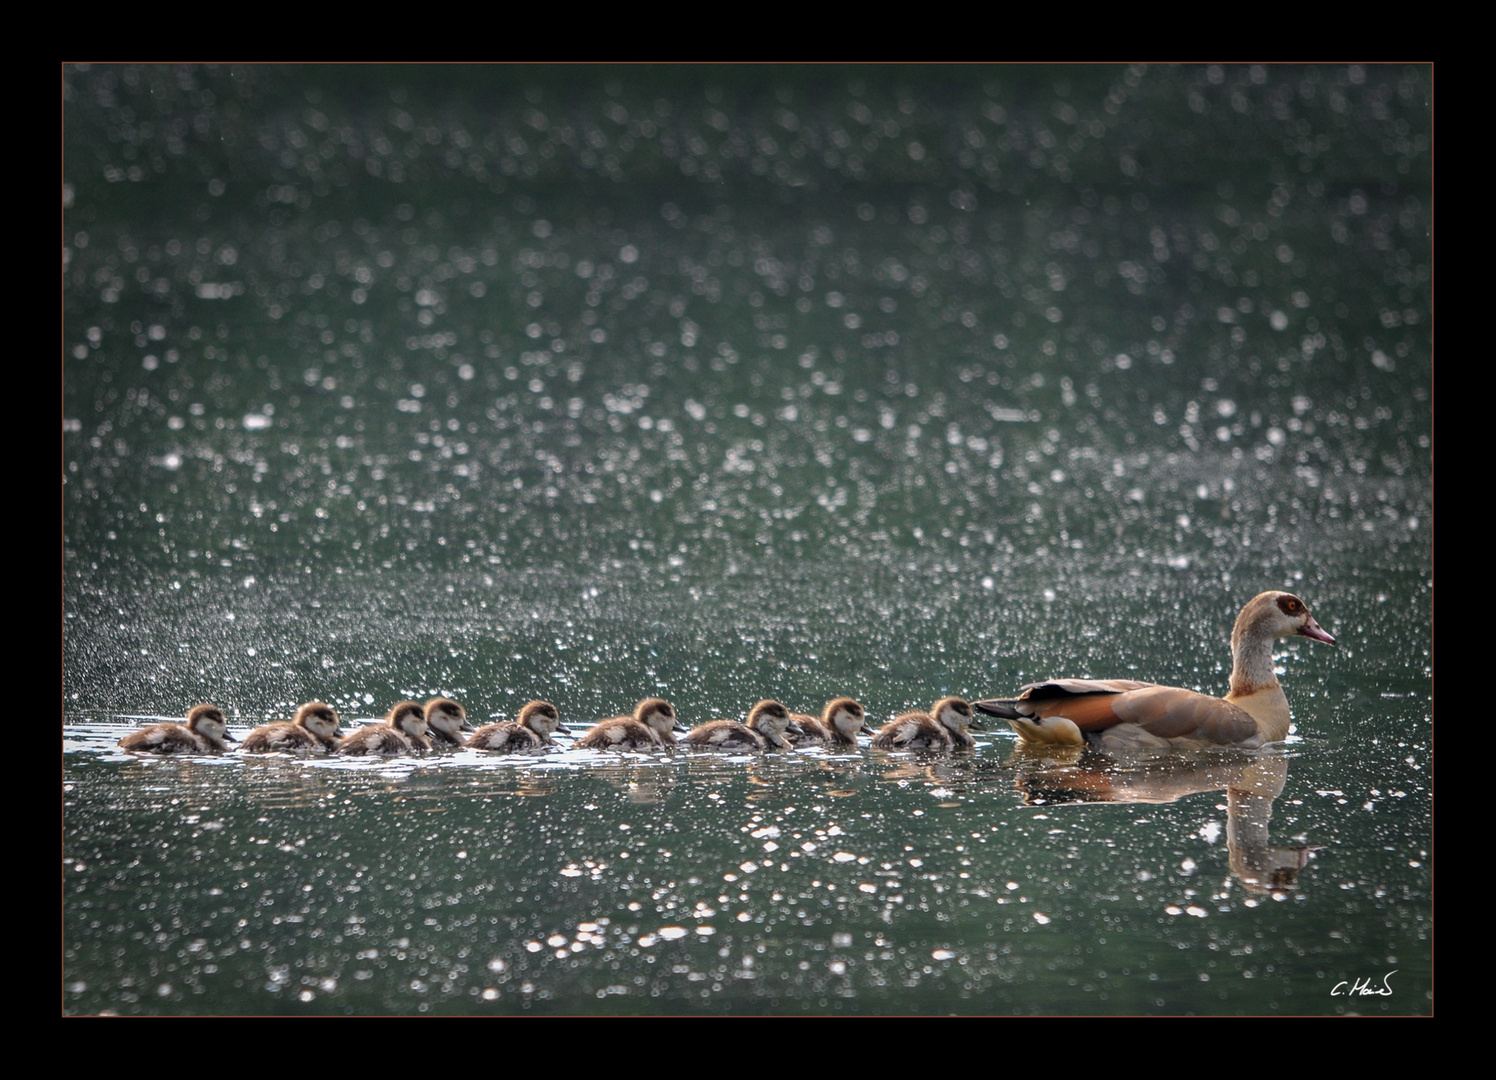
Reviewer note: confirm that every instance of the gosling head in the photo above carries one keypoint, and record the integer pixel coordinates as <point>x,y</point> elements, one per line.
<point>771,720</point>
<point>208,721</point>
<point>542,718</point>
<point>446,718</point>
<point>319,718</point>
<point>410,718</point>
<point>658,714</point>
<point>847,718</point>
<point>953,712</point>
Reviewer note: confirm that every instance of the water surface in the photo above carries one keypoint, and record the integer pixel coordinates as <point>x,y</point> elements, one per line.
<point>592,385</point>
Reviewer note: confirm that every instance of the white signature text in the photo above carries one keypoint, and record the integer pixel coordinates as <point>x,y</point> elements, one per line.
<point>1364,988</point>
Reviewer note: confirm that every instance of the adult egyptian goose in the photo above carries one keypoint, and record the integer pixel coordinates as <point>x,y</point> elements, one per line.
<point>650,728</point>
<point>205,732</point>
<point>943,726</point>
<point>403,731</point>
<point>1117,713</point>
<point>446,721</point>
<point>765,727</point>
<point>315,728</point>
<point>838,725</point>
<point>532,730</point>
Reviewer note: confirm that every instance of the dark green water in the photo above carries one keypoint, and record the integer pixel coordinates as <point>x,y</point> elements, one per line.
<point>592,384</point>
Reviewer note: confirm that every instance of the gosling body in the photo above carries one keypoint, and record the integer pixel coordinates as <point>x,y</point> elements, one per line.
<point>403,731</point>
<point>943,727</point>
<point>205,732</point>
<point>764,729</point>
<point>314,730</point>
<point>530,731</point>
<point>838,725</point>
<point>651,727</point>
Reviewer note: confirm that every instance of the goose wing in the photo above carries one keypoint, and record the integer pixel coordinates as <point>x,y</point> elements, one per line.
<point>1097,705</point>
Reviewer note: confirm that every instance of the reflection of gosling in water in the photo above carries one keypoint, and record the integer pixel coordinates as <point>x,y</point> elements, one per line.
<point>205,732</point>
<point>315,728</point>
<point>532,730</point>
<point>765,727</point>
<point>403,731</point>
<point>942,727</point>
<point>838,725</point>
<point>446,721</point>
<point>650,728</point>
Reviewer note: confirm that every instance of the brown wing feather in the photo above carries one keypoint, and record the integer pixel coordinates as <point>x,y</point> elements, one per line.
<point>1172,713</point>
<point>1091,704</point>
<point>1063,688</point>
<point>1167,712</point>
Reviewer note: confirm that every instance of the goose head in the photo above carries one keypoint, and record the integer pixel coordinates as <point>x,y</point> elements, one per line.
<point>1277,615</point>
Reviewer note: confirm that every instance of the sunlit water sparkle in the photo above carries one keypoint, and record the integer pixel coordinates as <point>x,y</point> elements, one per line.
<point>718,386</point>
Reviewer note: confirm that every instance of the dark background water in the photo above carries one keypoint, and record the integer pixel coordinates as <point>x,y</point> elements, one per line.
<point>594,383</point>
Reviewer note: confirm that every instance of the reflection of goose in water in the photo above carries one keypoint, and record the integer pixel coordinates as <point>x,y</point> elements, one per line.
<point>1116,713</point>
<point>445,721</point>
<point>943,726</point>
<point>765,727</point>
<point>1251,782</point>
<point>314,728</point>
<point>838,725</point>
<point>649,728</point>
<point>401,732</point>
<point>531,730</point>
<point>205,732</point>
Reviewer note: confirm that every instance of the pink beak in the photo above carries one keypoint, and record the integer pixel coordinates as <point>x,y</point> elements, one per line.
<point>1311,629</point>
